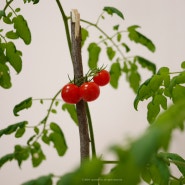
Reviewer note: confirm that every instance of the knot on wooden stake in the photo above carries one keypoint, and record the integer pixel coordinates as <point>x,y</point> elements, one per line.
<point>75,17</point>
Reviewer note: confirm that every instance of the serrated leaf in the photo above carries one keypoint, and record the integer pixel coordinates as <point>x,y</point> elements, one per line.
<point>58,139</point>
<point>13,56</point>
<point>37,155</point>
<point>71,109</point>
<point>94,52</point>
<point>153,111</point>
<point>159,171</point>
<point>90,169</point>
<point>21,153</point>
<point>6,158</point>
<point>22,29</point>
<point>84,34</point>
<point>12,128</point>
<point>25,104</point>
<point>112,10</point>
<point>134,79</point>
<point>137,37</point>
<point>155,82</point>
<point>143,93</point>
<point>175,159</point>
<point>5,79</point>
<point>115,74</point>
<point>110,53</point>
<point>178,93</point>
<point>12,35</point>
<point>43,180</point>
<point>160,100</point>
<point>145,63</point>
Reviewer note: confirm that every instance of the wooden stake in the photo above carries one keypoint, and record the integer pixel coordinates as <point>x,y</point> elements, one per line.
<point>78,74</point>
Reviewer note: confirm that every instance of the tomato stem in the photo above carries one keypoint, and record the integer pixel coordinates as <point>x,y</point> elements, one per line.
<point>93,148</point>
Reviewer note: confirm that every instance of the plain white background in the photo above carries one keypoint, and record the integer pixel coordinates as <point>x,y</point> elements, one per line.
<point>46,64</point>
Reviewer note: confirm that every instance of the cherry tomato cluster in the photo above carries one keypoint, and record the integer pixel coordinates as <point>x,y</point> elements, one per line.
<point>88,90</point>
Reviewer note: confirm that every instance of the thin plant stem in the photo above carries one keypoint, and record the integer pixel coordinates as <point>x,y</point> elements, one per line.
<point>65,20</point>
<point>91,131</point>
<point>106,35</point>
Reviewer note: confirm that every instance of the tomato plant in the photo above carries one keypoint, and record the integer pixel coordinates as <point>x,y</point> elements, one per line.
<point>146,158</point>
<point>89,91</point>
<point>70,93</point>
<point>102,78</point>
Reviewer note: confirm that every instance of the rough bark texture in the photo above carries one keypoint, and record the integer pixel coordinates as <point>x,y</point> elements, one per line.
<point>78,74</point>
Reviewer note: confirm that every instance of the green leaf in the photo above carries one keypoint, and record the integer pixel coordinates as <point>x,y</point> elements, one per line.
<point>54,111</point>
<point>71,109</point>
<point>126,47</point>
<point>119,36</point>
<point>110,53</point>
<point>5,79</point>
<point>13,128</point>
<point>17,10</point>
<point>25,104</point>
<point>37,154</point>
<point>116,27</point>
<point>12,35</point>
<point>87,174</point>
<point>183,65</point>
<point>6,158</point>
<point>20,131</point>
<point>84,34</point>
<point>115,73</point>
<point>21,153</point>
<point>137,37</point>
<point>2,13</point>
<point>143,93</point>
<point>153,111</point>
<point>134,79</point>
<point>159,171</point>
<point>155,82</point>
<point>22,29</point>
<point>112,10</point>
<point>175,159</point>
<point>58,139</point>
<point>146,63</point>
<point>160,100</point>
<point>94,52</point>
<point>178,93</point>
<point>43,180</point>
<point>7,20</point>
<point>13,56</point>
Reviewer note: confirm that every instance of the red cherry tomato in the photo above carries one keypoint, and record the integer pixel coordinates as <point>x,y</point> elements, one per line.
<point>70,93</point>
<point>89,91</point>
<point>102,78</point>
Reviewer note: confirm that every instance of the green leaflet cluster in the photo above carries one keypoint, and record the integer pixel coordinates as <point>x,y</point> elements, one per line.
<point>159,88</point>
<point>116,50</point>
<point>50,135</point>
<point>17,28</point>
<point>142,159</point>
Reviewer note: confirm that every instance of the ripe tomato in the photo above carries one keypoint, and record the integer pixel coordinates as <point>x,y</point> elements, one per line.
<point>70,93</point>
<point>102,78</point>
<point>89,91</point>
